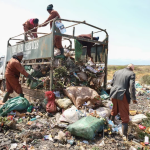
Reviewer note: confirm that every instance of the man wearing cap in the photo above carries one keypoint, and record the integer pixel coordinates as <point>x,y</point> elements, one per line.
<point>123,80</point>
<point>57,39</point>
<point>30,24</point>
<point>12,73</point>
<point>80,43</point>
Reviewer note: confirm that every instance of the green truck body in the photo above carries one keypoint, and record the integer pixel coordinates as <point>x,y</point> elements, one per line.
<point>43,48</point>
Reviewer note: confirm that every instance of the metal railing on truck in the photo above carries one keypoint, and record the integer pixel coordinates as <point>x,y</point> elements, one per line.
<point>43,48</point>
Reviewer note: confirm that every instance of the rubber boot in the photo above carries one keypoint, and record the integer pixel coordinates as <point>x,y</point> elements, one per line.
<point>21,95</point>
<point>62,51</point>
<point>125,129</point>
<point>112,118</point>
<point>6,97</point>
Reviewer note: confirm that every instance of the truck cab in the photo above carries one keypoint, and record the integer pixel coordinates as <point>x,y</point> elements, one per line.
<point>2,73</point>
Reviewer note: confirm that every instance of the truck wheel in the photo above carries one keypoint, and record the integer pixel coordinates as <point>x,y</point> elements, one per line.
<point>3,85</point>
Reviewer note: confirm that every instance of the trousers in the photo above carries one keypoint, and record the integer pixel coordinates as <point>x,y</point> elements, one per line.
<point>12,84</point>
<point>58,41</point>
<point>122,107</point>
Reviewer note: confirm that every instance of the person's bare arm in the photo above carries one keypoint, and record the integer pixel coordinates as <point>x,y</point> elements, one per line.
<point>35,34</point>
<point>27,28</point>
<point>52,16</point>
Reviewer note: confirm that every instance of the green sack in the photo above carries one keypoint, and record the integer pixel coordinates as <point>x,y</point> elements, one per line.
<point>27,67</point>
<point>17,103</point>
<point>78,50</point>
<point>37,74</point>
<point>86,127</point>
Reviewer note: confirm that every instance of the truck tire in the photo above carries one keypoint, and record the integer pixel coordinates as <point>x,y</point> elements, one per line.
<point>3,85</point>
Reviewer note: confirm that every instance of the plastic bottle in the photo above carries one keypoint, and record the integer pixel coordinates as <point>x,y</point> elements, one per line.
<point>146,141</point>
<point>32,119</point>
<point>76,76</point>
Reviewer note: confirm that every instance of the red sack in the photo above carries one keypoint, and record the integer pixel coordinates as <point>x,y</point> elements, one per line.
<point>51,106</point>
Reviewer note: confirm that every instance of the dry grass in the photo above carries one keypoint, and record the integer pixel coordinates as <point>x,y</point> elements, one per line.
<point>140,71</point>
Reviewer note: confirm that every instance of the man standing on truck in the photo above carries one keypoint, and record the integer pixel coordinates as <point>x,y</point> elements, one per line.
<point>123,80</point>
<point>30,24</point>
<point>79,44</point>
<point>12,73</point>
<point>57,39</point>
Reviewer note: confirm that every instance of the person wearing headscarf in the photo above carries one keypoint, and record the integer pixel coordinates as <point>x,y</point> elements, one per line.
<point>57,39</point>
<point>12,74</point>
<point>30,24</point>
<point>122,92</point>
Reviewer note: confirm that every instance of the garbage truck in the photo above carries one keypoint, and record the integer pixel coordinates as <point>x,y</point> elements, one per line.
<point>2,73</point>
<point>41,62</point>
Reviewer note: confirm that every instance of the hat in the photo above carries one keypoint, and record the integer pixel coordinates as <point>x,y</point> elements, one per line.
<point>50,7</point>
<point>36,21</point>
<point>19,54</point>
<point>96,38</point>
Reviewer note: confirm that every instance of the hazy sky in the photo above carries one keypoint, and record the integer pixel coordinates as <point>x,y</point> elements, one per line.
<point>126,21</point>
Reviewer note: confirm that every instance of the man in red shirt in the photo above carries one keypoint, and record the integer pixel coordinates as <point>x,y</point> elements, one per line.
<point>30,24</point>
<point>12,74</point>
<point>57,39</point>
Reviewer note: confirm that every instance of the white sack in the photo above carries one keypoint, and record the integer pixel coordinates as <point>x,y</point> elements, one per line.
<point>70,115</point>
<point>138,118</point>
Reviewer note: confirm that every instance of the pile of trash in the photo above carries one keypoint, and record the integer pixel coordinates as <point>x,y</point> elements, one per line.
<point>67,72</point>
<point>77,118</point>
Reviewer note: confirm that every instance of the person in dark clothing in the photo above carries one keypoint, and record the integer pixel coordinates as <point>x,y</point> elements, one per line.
<point>88,44</point>
<point>123,80</point>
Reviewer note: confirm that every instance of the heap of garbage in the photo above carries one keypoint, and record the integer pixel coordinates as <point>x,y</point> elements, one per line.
<point>67,72</point>
<point>72,121</point>
<point>75,114</point>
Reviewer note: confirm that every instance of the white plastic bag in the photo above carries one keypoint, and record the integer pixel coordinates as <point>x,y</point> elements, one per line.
<point>108,104</point>
<point>56,52</point>
<point>103,112</point>
<point>137,118</point>
<point>70,115</point>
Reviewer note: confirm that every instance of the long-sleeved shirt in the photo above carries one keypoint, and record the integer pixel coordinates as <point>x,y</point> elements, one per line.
<point>123,80</point>
<point>14,68</point>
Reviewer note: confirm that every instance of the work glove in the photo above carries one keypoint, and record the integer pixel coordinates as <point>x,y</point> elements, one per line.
<point>134,102</point>
<point>31,78</point>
